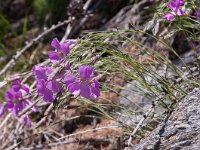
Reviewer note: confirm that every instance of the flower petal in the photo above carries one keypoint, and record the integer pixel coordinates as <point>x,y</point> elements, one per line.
<point>56,44</point>
<point>65,48</point>
<point>16,82</point>
<point>27,120</point>
<point>16,88</point>
<point>169,16</point>
<point>180,12</point>
<point>41,86</point>
<point>14,111</point>
<point>9,95</point>
<point>74,88</point>
<point>19,105</point>
<point>86,90</point>
<point>70,41</point>
<point>18,95</point>
<point>172,5</point>
<point>95,88</point>
<point>48,96</point>
<point>10,104</point>
<point>86,71</point>
<point>69,80</point>
<point>48,70</point>
<point>54,56</point>
<point>39,72</point>
<point>54,85</point>
<point>179,3</point>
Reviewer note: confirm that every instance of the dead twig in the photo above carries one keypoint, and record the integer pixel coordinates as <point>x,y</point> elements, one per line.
<point>47,112</point>
<point>139,125</point>
<point>12,62</point>
<point>86,131</point>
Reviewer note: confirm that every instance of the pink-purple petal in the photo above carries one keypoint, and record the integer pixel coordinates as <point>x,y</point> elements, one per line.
<point>16,88</point>
<point>70,41</point>
<point>96,91</point>
<point>9,95</point>
<point>70,79</point>
<point>41,85</point>
<point>95,88</point>
<point>86,71</point>
<point>65,48</point>
<point>27,120</point>
<point>54,56</point>
<point>48,69</point>
<point>39,72</point>
<point>16,82</point>
<point>86,90</point>
<point>19,105</point>
<point>169,16</point>
<point>54,85</point>
<point>48,96</point>
<point>56,44</point>
<point>180,12</point>
<point>9,104</point>
<point>172,5</point>
<point>179,2</point>
<point>74,88</point>
<point>14,111</point>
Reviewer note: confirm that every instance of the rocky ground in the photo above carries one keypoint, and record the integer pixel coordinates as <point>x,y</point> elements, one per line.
<point>76,127</point>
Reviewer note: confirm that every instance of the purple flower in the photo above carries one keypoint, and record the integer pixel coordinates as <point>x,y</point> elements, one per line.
<point>41,71</point>
<point>61,49</point>
<point>48,88</point>
<point>175,6</point>
<point>16,97</point>
<point>83,83</point>
<point>197,13</point>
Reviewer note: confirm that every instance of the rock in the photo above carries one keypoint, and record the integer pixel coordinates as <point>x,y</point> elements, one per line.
<point>180,130</point>
<point>132,99</point>
<point>135,103</point>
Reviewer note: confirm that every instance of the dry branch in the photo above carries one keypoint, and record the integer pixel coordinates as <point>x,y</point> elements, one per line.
<point>12,62</point>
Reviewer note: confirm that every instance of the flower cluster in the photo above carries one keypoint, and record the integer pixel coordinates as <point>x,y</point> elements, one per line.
<point>46,86</point>
<point>18,98</point>
<point>82,83</point>
<point>176,9</point>
<point>50,80</point>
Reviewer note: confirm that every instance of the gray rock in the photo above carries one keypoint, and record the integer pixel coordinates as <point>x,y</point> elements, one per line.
<point>180,130</point>
<point>134,103</point>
